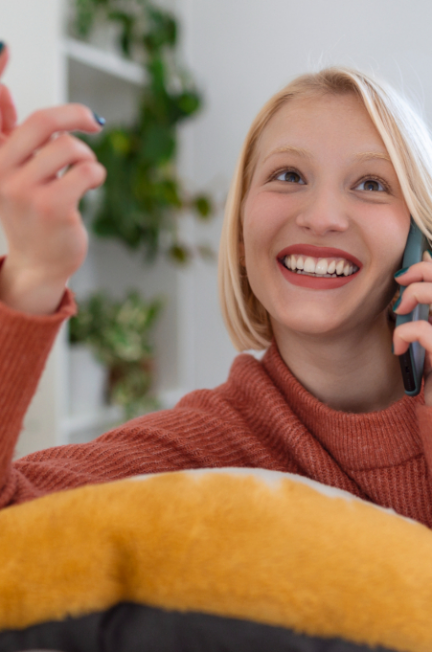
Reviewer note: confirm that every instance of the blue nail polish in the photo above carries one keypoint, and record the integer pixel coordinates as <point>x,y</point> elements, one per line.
<point>101,121</point>
<point>397,304</point>
<point>2,45</point>
<point>401,271</point>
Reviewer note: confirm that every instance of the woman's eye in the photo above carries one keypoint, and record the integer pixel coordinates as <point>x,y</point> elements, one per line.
<point>371,185</point>
<point>289,176</point>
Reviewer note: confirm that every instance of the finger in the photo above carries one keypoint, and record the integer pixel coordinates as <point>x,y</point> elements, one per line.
<point>413,295</point>
<point>414,331</point>
<point>55,156</point>
<point>8,112</point>
<point>40,126</point>
<point>419,272</point>
<point>63,194</point>
<point>427,364</point>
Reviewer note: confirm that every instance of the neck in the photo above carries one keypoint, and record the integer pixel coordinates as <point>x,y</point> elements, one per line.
<point>356,372</point>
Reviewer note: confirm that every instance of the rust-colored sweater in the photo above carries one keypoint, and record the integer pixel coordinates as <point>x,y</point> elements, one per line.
<point>261,417</point>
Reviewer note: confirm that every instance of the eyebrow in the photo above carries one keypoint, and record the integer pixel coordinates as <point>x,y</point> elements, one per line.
<point>368,156</point>
<point>304,153</point>
<point>289,149</point>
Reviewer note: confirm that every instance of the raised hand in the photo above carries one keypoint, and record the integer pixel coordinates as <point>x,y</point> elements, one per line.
<point>418,279</point>
<point>47,241</point>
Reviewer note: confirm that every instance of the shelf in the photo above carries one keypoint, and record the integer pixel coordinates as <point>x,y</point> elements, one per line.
<point>101,78</point>
<point>106,62</point>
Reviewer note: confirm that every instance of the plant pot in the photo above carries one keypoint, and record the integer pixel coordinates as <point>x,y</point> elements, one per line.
<point>105,36</point>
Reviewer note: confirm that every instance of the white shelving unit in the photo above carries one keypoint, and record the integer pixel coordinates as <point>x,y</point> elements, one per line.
<point>67,70</point>
<point>88,69</point>
<point>110,85</point>
<point>106,62</point>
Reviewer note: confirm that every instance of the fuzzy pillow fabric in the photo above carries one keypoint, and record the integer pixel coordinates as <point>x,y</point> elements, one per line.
<point>222,559</point>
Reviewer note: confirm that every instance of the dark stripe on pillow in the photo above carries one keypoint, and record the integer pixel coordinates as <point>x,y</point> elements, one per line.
<point>130,627</point>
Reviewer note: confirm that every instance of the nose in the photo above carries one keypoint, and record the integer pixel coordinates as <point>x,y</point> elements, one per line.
<point>325,213</point>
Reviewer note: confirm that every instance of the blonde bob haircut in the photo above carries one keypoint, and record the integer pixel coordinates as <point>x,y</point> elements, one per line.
<point>409,147</point>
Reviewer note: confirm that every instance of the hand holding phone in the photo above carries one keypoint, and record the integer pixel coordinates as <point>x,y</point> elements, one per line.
<point>412,361</point>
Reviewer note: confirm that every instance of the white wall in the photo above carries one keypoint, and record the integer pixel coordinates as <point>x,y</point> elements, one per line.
<point>243,51</point>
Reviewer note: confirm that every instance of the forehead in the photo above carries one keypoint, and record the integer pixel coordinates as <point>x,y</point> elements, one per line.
<point>317,122</point>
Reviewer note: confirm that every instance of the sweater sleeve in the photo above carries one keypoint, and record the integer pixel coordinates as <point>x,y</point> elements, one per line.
<point>203,430</point>
<point>25,343</point>
<point>189,436</point>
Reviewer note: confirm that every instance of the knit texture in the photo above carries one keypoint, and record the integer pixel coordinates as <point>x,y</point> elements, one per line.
<point>261,417</point>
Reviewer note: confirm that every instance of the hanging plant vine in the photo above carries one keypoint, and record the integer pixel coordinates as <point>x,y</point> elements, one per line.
<point>143,196</point>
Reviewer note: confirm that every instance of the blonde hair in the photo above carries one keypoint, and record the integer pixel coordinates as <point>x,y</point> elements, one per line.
<point>408,144</point>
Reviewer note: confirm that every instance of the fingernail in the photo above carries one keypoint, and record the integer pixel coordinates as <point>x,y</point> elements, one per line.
<point>392,348</point>
<point>397,304</point>
<point>401,271</point>
<point>101,121</point>
<point>2,46</point>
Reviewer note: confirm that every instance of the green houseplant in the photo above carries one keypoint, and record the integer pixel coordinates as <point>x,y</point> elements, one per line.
<point>119,333</point>
<point>143,198</point>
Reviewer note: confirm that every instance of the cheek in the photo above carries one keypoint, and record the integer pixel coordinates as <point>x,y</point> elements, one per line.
<point>390,241</point>
<point>264,217</point>
<point>386,239</point>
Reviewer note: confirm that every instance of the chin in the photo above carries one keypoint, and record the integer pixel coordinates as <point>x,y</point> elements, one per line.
<point>315,325</point>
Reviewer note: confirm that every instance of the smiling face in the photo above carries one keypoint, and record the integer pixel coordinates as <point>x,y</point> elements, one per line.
<point>324,219</point>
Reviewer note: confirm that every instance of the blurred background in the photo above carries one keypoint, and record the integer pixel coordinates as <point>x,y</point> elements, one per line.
<point>228,58</point>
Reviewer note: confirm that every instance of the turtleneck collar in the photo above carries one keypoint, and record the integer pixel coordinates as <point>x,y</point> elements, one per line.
<point>356,441</point>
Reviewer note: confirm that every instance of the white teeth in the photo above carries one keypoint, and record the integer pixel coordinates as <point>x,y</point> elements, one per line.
<point>300,263</point>
<point>340,267</point>
<point>309,265</point>
<point>331,268</point>
<point>321,267</point>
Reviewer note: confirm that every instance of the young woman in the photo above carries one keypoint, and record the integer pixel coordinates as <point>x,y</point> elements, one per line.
<point>315,228</point>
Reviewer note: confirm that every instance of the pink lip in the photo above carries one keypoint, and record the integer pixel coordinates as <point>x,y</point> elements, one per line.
<point>318,252</point>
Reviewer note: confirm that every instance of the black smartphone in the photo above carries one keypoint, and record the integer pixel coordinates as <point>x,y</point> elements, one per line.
<point>412,362</point>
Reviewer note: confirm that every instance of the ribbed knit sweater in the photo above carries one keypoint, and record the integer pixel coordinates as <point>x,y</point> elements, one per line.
<point>260,417</point>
